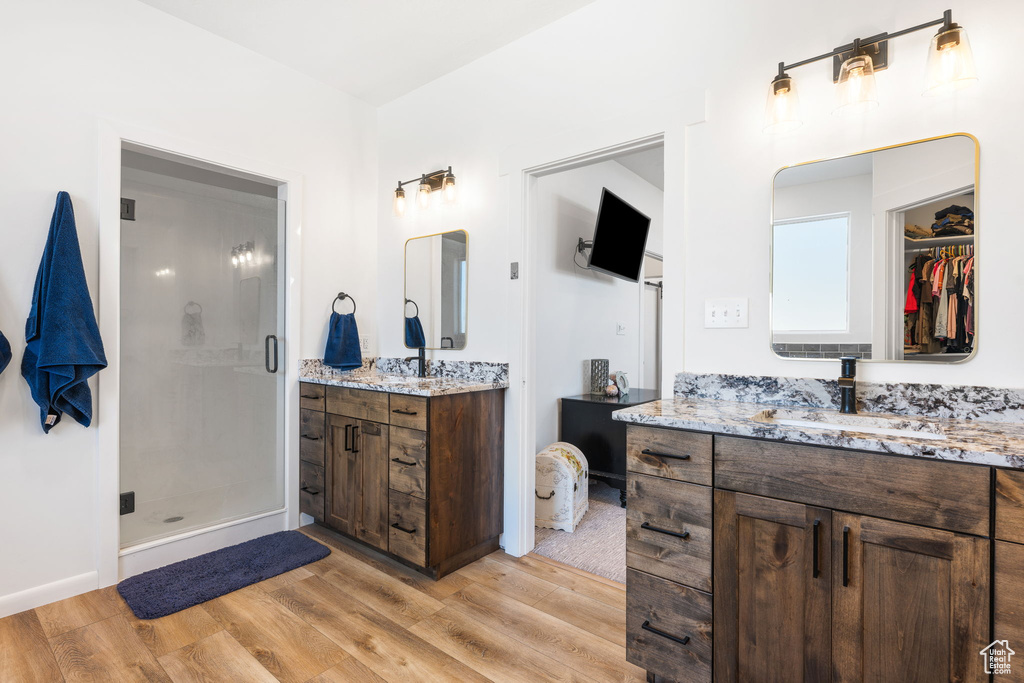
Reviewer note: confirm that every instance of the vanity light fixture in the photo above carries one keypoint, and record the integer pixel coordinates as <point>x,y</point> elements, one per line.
<point>428,183</point>
<point>854,65</point>
<point>242,254</point>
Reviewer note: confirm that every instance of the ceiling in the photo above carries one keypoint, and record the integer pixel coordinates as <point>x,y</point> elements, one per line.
<point>376,50</point>
<point>649,164</point>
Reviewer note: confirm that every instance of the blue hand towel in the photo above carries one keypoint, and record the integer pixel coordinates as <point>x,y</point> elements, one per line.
<point>342,351</point>
<point>64,347</point>
<point>5,352</point>
<point>414,337</point>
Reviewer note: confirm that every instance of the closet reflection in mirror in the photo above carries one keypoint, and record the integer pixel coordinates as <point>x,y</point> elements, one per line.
<point>873,254</point>
<point>436,291</point>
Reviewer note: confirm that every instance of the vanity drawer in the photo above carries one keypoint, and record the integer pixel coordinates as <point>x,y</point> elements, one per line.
<point>311,490</point>
<point>668,628</point>
<point>1010,505</point>
<point>311,396</point>
<point>361,404</point>
<point>1009,592</point>
<point>311,436</point>
<point>921,491</point>
<point>408,461</point>
<point>669,453</point>
<point>409,411</point>
<point>407,532</point>
<point>659,511</point>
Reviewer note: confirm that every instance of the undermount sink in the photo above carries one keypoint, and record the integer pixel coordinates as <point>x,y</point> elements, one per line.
<point>820,419</point>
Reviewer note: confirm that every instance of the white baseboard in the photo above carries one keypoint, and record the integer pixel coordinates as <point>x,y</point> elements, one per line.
<point>47,593</point>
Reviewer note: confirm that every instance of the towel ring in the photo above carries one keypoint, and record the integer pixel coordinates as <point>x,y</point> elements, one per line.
<point>417,313</point>
<point>343,295</point>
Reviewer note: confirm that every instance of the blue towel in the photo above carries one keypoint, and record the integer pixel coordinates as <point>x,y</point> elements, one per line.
<point>5,352</point>
<point>64,347</point>
<point>414,337</point>
<point>342,351</point>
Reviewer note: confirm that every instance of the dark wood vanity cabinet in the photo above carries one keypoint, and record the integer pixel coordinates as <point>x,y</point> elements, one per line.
<point>828,564</point>
<point>415,477</point>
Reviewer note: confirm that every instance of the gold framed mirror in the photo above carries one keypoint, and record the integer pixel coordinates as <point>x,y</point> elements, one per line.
<point>436,292</point>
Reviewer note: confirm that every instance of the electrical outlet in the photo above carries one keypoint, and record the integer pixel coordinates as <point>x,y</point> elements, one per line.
<point>364,343</point>
<point>725,312</point>
<point>620,329</point>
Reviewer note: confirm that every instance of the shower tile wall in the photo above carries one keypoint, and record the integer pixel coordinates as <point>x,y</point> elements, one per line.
<point>198,423</point>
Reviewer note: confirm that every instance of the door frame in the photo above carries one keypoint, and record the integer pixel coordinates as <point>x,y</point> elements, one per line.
<point>113,564</point>
<point>520,167</point>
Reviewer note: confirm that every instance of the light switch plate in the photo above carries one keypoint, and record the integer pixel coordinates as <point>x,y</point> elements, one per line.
<point>620,329</point>
<point>725,312</point>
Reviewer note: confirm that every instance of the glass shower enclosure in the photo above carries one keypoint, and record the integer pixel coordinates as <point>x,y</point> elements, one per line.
<point>202,313</point>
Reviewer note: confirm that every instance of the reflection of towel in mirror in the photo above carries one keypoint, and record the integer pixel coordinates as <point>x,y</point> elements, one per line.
<point>5,352</point>
<point>192,332</point>
<point>342,350</point>
<point>64,347</point>
<point>414,337</point>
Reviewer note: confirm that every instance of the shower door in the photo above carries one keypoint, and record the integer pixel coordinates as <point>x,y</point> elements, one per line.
<point>202,393</point>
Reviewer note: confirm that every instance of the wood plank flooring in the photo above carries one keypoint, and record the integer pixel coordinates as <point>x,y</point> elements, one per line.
<point>355,616</point>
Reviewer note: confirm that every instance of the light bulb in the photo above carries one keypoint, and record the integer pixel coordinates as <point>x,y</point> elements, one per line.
<point>398,207</point>
<point>950,62</point>
<point>856,91</point>
<point>248,256</point>
<point>423,195</point>
<point>782,110</point>
<point>234,260</point>
<point>448,190</point>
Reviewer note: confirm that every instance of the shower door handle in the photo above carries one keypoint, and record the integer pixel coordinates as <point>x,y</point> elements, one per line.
<point>266,353</point>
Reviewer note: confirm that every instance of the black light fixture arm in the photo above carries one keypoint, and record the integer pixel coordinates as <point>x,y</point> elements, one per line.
<point>434,178</point>
<point>946,22</point>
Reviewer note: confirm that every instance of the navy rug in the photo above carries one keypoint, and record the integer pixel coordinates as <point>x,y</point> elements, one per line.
<point>181,585</point>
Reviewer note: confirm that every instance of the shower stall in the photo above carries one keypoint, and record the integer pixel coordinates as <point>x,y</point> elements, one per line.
<point>201,437</point>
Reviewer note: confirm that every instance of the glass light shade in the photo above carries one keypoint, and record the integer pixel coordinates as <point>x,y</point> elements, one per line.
<point>856,91</point>
<point>234,260</point>
<point>448,189</point>
<point>248,256</point>
<point>950,63</point>
<point>398,207</point>
<point>423,196</point>
<point>782,110</point>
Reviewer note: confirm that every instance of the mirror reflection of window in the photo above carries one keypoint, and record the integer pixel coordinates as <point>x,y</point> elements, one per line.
<point>810,287</point>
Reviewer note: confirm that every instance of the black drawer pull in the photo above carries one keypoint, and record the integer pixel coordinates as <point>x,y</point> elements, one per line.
<point>404,412</point>
<point>312,397</point>
<point>846,556</point>
<point>647,627</point>
<point>310,438</point>
<point>685,534</point>
<point>312,492</point>
<point>402,462</point>
<point>648,451</point>
<point>396,525</point>
<point>815,572</point>
<point>547,497</point>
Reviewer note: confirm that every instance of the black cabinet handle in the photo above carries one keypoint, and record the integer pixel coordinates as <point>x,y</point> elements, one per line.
<point>846,556</point>
<point>547,497</point>
<point>685,534</point>
<point>648,451</point>
<point>312,492</point>
<point>657,631</point>
<point>355,433</point>
<point>266,353</point>
<point>402,462</point>
<point>404,412</point>
<point>313,397</point>
<point>347,446</point>
<point>310,438</point>
<point>814,549</point>
<point>396,525</point>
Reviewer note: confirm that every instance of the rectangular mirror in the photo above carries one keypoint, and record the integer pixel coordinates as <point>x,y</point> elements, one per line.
<point>873,254</point>
<point>436,291</point>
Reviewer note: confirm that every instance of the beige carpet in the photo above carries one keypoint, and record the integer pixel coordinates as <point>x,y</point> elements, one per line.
<point>599,543</point>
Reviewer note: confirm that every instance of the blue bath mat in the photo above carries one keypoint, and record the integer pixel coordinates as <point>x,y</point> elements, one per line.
<point>181,585</point>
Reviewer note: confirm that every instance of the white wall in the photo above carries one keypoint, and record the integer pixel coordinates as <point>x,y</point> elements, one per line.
<point>577,312</point>
<point>71,66</point>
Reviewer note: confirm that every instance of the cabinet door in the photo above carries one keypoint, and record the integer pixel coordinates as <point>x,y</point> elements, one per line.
<point>370,443</point>
<point>909,603</point>
<point>772,590</point>
<point>343,476</point>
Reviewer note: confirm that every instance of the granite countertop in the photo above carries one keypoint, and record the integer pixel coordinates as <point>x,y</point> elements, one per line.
<point>974,441</point>
<point>371,379</point>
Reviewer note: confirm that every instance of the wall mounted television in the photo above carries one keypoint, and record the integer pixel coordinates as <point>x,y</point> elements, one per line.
<point>620,238</point>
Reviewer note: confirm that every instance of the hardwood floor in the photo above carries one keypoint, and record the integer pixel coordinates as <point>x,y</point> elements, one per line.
<point>354,616</point>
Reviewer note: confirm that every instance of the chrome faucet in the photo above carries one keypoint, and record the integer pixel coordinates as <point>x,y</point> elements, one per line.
<point>422,365</point>
<point>848,385</point>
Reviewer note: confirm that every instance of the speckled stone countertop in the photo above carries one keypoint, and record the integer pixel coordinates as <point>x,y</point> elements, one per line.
<point>974,441</point>
<point>467,377</point>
